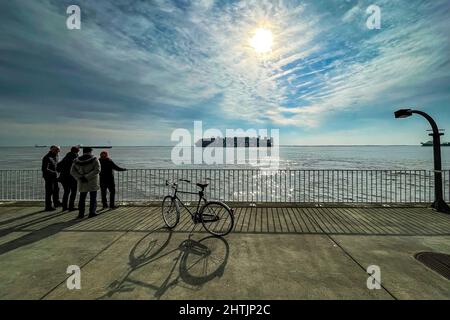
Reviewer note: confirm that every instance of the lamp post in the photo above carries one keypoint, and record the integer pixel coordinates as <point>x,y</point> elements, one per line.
<point>439,203</point>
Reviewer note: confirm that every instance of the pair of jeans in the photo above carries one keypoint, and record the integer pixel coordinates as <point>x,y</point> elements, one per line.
<point>51,191</point>
<point>111,187</point>
<point>92,202</point>
<point>69,195</point>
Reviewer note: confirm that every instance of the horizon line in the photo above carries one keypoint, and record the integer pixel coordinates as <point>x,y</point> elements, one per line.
<point>281,145</point>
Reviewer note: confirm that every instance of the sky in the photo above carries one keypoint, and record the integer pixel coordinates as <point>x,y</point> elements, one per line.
<point>138,70</point>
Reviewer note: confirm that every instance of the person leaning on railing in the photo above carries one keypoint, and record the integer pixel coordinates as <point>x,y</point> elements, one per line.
<point>107,179</point>
<point>50,175</point>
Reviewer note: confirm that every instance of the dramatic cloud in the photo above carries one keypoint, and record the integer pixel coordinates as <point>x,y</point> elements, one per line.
<point>139,69</point>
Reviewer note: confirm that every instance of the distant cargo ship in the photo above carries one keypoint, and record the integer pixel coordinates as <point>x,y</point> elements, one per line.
<point>234,142</point>
<point>430,144</point>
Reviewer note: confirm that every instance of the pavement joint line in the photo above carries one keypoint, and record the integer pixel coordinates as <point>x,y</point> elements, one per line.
<point>86,263</point>
<point>359,264</point>
<point>351,257</point>
<point>89,261</point>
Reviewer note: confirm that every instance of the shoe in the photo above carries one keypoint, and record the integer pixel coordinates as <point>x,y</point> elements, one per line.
<point>79,217</point>
<point>58,204</point>
<point>105,207</point>
<point>92,215</point>
<point>114,207</point>
<point>73,209</point>
<point>50,209</point>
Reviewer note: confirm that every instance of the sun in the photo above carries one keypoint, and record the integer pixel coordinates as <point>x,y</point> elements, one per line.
<point>262,40</point>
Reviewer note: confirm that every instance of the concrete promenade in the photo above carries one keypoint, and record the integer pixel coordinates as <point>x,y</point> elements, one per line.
<point>288,252</point>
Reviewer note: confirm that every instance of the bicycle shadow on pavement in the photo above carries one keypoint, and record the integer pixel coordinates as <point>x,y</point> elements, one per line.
<point>197,262</point>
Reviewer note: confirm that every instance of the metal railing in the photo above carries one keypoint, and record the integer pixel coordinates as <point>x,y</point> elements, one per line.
<point>253,185</point>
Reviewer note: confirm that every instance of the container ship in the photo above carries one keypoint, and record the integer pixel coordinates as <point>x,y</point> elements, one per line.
<point>430,144</point>
<point>234,142</point>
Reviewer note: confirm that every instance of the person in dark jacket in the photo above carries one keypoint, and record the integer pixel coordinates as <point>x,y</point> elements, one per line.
<point>50,175</point>
<point>107,179</point>
<point>68,182</point>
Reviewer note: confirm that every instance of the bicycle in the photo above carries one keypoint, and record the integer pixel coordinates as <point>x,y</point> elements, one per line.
<point>216,217</point>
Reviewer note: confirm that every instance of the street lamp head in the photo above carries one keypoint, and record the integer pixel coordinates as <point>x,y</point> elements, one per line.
<point>403,113</point>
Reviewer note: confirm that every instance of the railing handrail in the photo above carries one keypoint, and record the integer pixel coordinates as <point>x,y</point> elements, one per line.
<point>256,185</point>
<point>261,169</point>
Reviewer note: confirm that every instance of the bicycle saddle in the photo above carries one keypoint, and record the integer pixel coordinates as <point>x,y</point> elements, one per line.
<point>202,185</point>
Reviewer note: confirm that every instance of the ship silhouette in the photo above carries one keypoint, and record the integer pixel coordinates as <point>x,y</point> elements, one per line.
<point>430,144</point>
<point>234,142</point>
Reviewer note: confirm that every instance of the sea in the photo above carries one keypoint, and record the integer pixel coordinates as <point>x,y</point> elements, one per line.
<point>289,157</point>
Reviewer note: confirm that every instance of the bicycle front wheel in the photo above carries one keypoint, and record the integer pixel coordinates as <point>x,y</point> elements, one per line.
<point>217,218</point>
<point>170,212</point>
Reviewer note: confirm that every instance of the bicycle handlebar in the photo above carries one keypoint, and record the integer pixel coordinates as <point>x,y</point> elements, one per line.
<point>183,180</point>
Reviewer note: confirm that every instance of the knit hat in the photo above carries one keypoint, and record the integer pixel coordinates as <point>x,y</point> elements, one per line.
<point>104,154</point>
<point>87,149</point>
<point>75,149</point>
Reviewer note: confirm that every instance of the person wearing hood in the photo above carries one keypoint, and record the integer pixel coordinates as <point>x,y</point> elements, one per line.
<point>68,182</point>
<point>85,170</point>
<point>107,179</point>
<point>50,175</point>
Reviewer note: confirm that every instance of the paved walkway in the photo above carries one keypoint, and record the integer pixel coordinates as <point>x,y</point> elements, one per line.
<point>273,253</point>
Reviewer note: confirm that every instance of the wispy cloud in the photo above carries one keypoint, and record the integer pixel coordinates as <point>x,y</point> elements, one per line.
<point>152,66</point>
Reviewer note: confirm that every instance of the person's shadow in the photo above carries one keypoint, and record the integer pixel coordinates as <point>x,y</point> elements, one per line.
<point>199,262</point>
<point>35,235</point>
<point>25,216</point>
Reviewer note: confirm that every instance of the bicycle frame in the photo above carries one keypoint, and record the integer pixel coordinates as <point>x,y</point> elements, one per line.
<point>200,193</point>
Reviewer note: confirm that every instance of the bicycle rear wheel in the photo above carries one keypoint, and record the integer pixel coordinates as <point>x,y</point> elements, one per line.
<point>217,218</point>
<point>170,212</point>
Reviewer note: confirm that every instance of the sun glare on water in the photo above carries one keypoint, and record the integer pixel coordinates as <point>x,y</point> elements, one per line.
<point>262,40</point>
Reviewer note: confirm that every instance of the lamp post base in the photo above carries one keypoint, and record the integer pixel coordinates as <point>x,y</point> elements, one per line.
<point>441,206</point>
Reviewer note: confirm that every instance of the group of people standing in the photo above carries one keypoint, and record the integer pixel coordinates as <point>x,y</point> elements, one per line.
<point>84,173</point>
